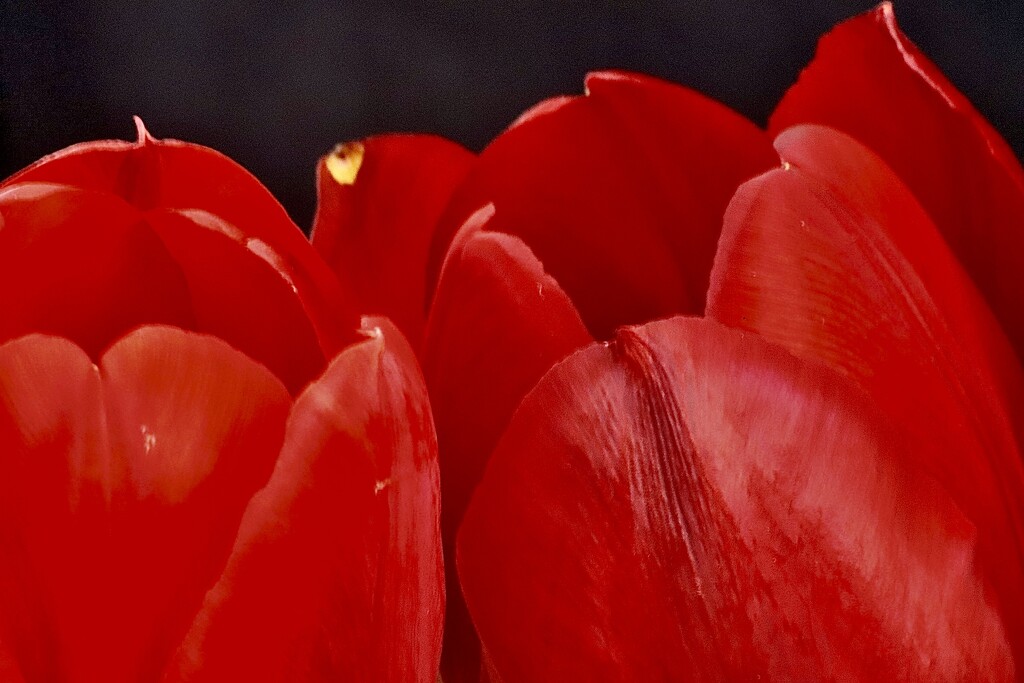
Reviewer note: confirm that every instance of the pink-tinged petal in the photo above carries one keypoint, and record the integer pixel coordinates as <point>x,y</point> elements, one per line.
<point>121,490</point>
<point>82,265</point>
<point>240,297</point>
<point>620,193</point>
<point>379,202</point>
<point>498,323</point>
<point>336,573</point>
<point>693,503</point>
<point>871,82</point>
<point>838,263</point>
<point>168,174</point>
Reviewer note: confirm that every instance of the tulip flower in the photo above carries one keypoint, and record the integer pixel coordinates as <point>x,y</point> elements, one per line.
<point>210,468</point>
<point>715,402</point>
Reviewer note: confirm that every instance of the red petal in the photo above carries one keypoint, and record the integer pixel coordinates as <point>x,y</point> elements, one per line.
<point>241,297</point>
<point>870,81</point>
<point>9,670</point>
<point>692,503</point>
<point>89,267</point>
<point>121,488</point>
<point>379,201</point>
<point>839,264</point>
<point>171,174</point>
<point>82,265</point>
<point>336,573</point>
<point>498,323</point>
<point>168,174</point>
<point>619,193</point>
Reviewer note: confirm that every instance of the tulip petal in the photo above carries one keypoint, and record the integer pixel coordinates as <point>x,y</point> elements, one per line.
<point>620,193</point>
<point>870,81</point>
<point>121,489</point>
<point>498,323</point>
<point>839,264</point>
<point>169,174</point>
<point>240,297</point>
<point>82,265</point>
<point>336,572</point>
<point>693,503</point>
<point>9,670</point>
<point>379,202</point>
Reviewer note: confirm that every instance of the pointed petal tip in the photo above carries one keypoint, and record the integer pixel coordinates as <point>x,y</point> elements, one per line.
<point>142,135</point>
<point>870,81</point>
<point>610,76</point>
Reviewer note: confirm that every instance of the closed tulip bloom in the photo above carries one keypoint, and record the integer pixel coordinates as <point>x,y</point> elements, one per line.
<point>211,468</point>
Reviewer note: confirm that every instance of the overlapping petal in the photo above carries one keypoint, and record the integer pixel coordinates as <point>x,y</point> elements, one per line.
<point>121,489</point>
<point>834,259</point>
<point>336,573</point>
<point>379,203</point>
<point>693,503</point>
<point>832,491</point>
<point>497,324</point>
<point>104,236</point>
<point>871,82</point>
<point>83,265</point>
<point>129,452</point>
<point>122,495</point>
<point>619,193</point>
<point>171,174</point>
<point>239,296</point>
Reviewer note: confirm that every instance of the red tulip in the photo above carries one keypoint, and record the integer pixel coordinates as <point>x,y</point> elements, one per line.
<point>834,489</point>
<point>209,468</point>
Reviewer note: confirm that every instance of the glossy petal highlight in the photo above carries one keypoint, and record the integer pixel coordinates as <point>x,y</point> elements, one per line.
<point>839,264</point>
<point>692,503</point>
<point>870,81</point>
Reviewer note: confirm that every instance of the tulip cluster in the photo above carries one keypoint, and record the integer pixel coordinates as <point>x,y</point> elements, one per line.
<point>642,392</point>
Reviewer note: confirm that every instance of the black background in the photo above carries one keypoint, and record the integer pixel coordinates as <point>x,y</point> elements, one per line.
<point>276,85</point>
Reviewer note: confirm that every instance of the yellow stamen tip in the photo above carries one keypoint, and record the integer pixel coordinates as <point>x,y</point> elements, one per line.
<point>344,161</point>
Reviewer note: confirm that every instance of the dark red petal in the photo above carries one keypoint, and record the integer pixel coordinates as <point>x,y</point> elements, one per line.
<point>121,489</point>
<point>336,573</point>
<point>870,81</point>
<point>379,202</point>
<point>692,503</point>
<point>169,174</point>
<point>619,193</point>
<point>240,297</point>
<point>498,323</point>
<point>82,265</point>
<point>838,263</point>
